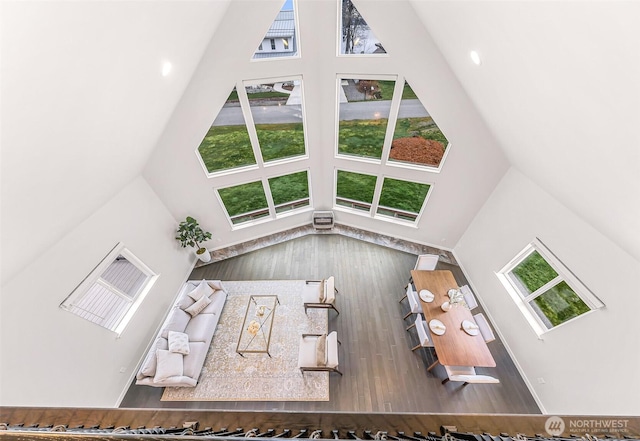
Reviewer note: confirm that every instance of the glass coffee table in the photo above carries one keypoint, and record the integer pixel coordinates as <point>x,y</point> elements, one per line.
<point>255,334</point>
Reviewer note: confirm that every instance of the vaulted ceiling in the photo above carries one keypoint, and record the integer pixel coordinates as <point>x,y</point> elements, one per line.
<point>85,109</point>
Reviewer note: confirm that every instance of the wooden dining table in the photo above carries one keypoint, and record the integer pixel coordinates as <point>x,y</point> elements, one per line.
<point>455,347</point>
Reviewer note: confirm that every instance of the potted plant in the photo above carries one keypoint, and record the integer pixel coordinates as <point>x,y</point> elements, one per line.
<point>190,234</point>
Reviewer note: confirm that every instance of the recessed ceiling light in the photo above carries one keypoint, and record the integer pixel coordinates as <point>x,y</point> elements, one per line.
<point>166,68</point>
<point>475,57</point>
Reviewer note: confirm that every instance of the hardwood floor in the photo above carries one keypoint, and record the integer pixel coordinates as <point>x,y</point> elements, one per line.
<point>381,373</point>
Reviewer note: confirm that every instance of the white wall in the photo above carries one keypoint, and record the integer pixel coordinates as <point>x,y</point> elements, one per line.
<point>590,365</point>
<point>83,105</point>
<point>51,357</point>
<point>558,87</point>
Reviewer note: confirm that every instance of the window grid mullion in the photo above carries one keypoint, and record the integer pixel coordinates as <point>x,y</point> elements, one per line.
<point>544,288</point>
<point>114,290</point>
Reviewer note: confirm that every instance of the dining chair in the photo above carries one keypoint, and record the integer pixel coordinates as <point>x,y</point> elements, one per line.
<point>468,375</point>
<point>409,286</point>
<point>423,333</point>
<point>423,336</point>
<point>483,326</point>
<point>469,298</point>
<point>427,262</point>
<point>414,302</point>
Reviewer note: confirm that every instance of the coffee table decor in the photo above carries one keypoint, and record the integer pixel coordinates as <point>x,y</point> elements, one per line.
<point>255,334</point>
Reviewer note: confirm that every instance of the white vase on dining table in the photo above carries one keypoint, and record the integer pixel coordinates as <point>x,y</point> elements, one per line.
<point>446,306</point>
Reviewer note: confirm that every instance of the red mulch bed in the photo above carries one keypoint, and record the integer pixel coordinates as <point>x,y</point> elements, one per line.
<point>417,150</point>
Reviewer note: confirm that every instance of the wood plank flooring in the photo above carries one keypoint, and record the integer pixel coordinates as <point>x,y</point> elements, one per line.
<point>381,373</point>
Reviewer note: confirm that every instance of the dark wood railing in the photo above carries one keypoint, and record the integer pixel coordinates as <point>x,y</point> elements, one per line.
<point>20,423</point>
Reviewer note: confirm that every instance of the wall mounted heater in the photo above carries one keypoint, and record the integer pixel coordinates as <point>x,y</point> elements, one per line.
<point>323,220</point>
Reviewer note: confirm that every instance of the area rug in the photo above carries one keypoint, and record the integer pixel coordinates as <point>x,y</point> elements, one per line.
<point>227,376</point>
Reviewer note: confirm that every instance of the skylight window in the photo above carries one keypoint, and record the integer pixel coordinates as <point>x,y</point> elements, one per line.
<point>545,290</point>
<point>277,109</point>
<point>356,37</point>
<point>227,145</point>
<point>416,139</point>
<point>364,107</point>
<point>281,40</point>
<point>110,295</point>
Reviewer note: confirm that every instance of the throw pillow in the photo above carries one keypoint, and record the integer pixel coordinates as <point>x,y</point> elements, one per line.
<point>185,302</point>
<point>169,365</point>
<point>148,368</point>
<point>216,284</point>
<point>322,293</point>
<point>321,350</point>
<point>198,306</point>
<point>179,342</point>
<point>202,290</point>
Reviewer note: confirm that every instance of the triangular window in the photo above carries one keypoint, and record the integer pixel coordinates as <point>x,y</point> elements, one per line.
<point>281,40</point>
<point>356,37</point>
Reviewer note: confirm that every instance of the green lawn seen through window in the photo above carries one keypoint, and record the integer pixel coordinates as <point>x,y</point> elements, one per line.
<point>356,186</point>
<point>557,304</point>
<point>362,137</point>
<point>403,195</point>
<point>279,141</point>
<point>534,272</point>
<point>226,147</point>
<point>243,198</point>
<point>560,304</point>
<point>289,188</point>
<point>424,127</point>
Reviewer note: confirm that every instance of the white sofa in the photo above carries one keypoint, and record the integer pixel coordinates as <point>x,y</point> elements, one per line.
<point>170,366</point>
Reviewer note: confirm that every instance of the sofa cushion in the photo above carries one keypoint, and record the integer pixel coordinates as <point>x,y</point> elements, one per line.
<point>198,306</point>
<point>177,321</point>
<point>330,291</point>
<point>179,342</point>
<point>202,290</point>
<point>332,349</point>
<point>169,365</point>
<point>148,368</point>
<point>217,303</point>
<point>307,352</point>
<point>199,327</point>
<point>321,350</point>
<point>192,363</point>
<point>322,294</point>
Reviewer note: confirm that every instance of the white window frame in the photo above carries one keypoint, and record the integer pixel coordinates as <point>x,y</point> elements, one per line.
<point>308,207</point>
<point>339,38</point>
<point>388,218</point>
<point>391,119</point>
<point>94,277</point>
<point>268,198</point>
<point>523,300</point>
<point>373,209</point>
